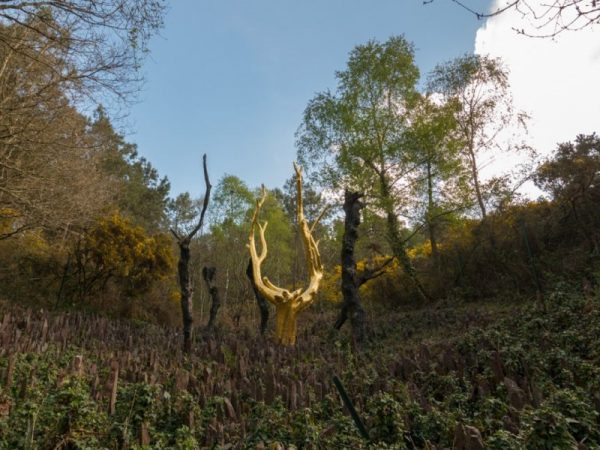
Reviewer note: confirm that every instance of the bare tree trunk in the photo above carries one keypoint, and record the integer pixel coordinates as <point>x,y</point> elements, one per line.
<point>260,300</point>
<point>201,306</point>
<point>226,285</point>
<point>63,280</point>
<point>351,306</point>
<point>486,226</point>
<point>208,273</point>
<point>185,285</point>
<point>394,238</point>
<point>476,182</point>
<point>430,214</point>
<point>295,273</point>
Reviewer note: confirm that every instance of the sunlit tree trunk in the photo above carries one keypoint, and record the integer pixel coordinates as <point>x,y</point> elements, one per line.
<point>286,323</point>
<point>430,214</point>
<point>476,182</point>
<point>394,238</point>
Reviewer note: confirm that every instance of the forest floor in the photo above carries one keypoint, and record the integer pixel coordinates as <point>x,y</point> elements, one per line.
<point>499,375</point>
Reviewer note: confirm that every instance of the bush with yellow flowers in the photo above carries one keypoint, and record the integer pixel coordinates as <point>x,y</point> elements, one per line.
<point>116,250</point>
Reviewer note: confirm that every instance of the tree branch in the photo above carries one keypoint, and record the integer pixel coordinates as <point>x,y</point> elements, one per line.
<point>370,274</point>
<point>192,233</point>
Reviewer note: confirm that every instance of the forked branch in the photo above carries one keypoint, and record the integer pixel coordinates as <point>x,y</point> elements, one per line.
<point>187,238</point>
<point>311,247</point>
<point>288,304</point>
<point>272,293</point>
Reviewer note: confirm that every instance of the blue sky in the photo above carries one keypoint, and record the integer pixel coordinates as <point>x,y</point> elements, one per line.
<point>232,77</point>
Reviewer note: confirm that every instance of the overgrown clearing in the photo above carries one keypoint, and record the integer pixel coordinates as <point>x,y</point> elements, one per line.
<point>136,317</point>
<point>521,376</point>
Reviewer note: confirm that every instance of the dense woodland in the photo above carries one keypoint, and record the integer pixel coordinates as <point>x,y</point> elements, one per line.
<point>458,309</point>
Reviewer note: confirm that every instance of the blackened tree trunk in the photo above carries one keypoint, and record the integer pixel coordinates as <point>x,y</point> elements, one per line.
<point>208,273</point>
<point>260,300</point>
<point>185,282</point>
<point>63,281</point>
<point>351,306</point>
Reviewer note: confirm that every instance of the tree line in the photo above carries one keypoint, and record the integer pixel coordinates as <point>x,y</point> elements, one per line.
<point>413,218</point>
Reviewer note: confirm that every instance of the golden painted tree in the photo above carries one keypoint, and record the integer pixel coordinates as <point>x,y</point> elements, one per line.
<point>288,304</point>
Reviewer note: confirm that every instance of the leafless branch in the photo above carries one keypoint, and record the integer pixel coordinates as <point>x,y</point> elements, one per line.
<point>372,273</point>
<point>195,230</point>
<point>560,15</point>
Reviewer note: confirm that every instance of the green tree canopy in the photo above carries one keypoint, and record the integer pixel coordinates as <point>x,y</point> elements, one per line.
<point>438,181</point>
<point>232,200</point>
<point>479,84</point>
<point>353,138</point>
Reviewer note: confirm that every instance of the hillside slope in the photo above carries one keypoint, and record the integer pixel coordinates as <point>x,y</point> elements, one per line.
<point>451,377</point>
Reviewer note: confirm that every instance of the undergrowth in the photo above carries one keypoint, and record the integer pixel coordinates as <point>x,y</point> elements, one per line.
<point>523,378</point>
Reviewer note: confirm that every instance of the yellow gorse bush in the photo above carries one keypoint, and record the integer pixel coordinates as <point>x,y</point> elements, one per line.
<point>331,284</point>
<point>127,251</point>
<point>7,219</point>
